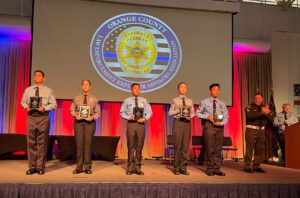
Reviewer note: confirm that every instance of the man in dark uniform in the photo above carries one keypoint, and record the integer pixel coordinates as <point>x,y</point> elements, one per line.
<point>257,116</point>
<point>38,100</point>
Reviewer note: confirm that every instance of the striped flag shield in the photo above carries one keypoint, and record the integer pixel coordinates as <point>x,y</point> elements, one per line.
<point>136,53</point>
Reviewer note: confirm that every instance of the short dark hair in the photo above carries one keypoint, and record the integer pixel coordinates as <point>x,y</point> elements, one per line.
<point>134,84</point>
<point>258,94</point>
<point>181,84</point>
<point>87,81</point>
<point>214,85</point>
<point>39,71</point>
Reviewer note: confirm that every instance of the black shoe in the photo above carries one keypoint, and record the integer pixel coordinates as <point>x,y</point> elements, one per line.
<point>176,172</point>
<point>40,172</point>
<point>259,170</point>
<point>248,170</point>
<point>129,172</point>
<point>88,171</point>
<point>185,172</point>
<point>31,171</point>
<point>77,171</point>
<point>138,172</point>
<point>210,173</point>
<point>219,173</point>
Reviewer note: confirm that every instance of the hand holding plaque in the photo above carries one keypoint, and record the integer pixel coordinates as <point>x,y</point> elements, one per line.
<point>185,112</point>
<point>84,112</point>
<point>218,117</point>
<point>35,103</point>
<point>138,113</point>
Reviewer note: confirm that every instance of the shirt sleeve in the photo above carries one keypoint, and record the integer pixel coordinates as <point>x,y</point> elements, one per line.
<point>124,113</point>
<point>173,109</point>
<point>277,122</point>
<point>51,101</point>
<point>148,110</point>
<point>293,120</point>
<point>97,110</point>
<point>225,114</point>
<point>72,109</point>
<point>192,109</point>
<point>201,111</point>
<point>24,101</point>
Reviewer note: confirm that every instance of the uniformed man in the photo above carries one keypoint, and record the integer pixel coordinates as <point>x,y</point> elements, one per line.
<point>215,115</point>
<point>182,110</point>
<point>38,100</point>
<point>136,110</point>
<point>281,121</point>
<point>85,110</point>
<point>257,115</point>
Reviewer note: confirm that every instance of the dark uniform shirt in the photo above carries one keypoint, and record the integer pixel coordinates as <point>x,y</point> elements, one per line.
<point>255,117</point>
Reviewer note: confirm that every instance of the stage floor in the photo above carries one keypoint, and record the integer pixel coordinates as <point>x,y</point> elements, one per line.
<point>156,171</point>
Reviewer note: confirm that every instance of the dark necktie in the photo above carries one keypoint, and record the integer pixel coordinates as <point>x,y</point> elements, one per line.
<point>136,102</point>
<point>285,118</point>
<point>37,92</point>
<point>214,106</point>
<point>183,101</point>
<point>85,100</point>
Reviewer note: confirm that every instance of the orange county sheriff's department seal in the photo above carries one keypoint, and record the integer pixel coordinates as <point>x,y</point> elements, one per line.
<point>135,47</point>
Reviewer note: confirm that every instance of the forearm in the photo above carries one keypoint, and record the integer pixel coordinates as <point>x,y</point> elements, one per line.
<point>201,115</point>
<point>173,111</point>
<point>276,123</point>
<point>125,115</point>
<point>148,112</point>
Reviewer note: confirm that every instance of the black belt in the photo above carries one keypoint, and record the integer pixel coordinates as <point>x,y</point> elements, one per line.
<point>183,120</point>
<point>38,113</point>
<point>135,121</point>
<point>84,120</point>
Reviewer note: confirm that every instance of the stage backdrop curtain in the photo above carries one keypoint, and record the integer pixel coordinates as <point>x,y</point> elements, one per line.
<point>14,78</point>
<point>15,74</point>
<point>255,75</point>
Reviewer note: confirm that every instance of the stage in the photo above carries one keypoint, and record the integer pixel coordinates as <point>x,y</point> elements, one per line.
<point>109,180</point>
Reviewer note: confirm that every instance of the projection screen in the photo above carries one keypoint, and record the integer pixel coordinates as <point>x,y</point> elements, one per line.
<point>114,45</point>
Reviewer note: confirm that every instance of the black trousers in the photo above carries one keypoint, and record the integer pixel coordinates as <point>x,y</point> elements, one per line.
<point>201,157</point>
<point>135,142</point>
<point>181,138</point>
<point>213,138</point>
<point>282,145</point>
<point>84,132</point>
<point>255,142</point>
<point>37,140</point>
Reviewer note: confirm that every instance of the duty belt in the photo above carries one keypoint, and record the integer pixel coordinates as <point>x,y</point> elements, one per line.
<point>38,113</point>
<point>255,127</point>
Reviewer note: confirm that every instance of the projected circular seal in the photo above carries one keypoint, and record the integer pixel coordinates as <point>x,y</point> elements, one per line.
<point>135,47</point>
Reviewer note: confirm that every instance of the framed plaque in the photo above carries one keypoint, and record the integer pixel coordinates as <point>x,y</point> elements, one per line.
<point>35,103</point>
<point>185,112</point>
<point>218,117</point>
<point>138,113</point>
<point>84,112</point>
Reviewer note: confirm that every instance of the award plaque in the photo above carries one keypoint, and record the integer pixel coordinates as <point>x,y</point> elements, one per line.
<point>138,113</point>
<point>35,103</point>
<point>185,112</point>
<point>218,117</point>
<point>84,112</point>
